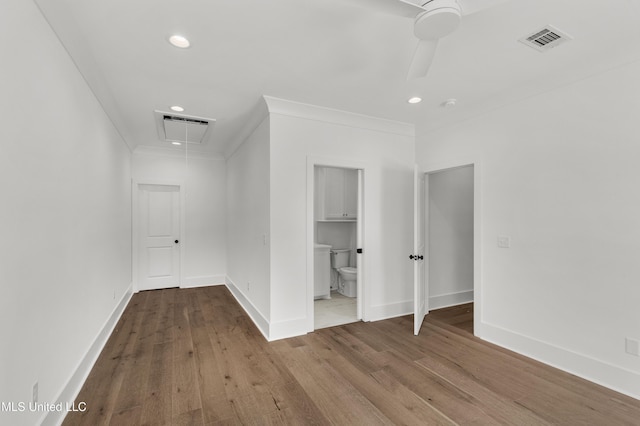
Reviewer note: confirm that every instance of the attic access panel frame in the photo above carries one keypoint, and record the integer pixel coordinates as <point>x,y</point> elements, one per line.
<point>172,127</point>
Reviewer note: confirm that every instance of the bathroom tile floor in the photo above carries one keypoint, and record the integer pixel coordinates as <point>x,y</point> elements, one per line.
<point>335,311</point>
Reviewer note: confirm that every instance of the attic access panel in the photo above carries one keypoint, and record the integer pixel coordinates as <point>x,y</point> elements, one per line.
<point>180,129</point>
<point>173,127</point>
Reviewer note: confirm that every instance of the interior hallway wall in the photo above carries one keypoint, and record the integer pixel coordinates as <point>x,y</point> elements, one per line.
<point>248,233</point>
<point>65,259</point>
<point>204,180</point>
<point>559,175</point>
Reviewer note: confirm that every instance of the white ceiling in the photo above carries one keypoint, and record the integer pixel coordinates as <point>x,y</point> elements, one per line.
<point>345,54</point>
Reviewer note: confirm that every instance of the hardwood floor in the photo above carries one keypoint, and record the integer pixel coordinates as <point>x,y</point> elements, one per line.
<point>193,357</point>
<point>460,316</point>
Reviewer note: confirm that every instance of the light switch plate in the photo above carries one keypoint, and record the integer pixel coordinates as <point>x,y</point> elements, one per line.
<point>504,241</point>
<point>632,346</point>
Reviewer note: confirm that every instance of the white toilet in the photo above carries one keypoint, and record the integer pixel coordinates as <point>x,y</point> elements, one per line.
<point>347,284</point>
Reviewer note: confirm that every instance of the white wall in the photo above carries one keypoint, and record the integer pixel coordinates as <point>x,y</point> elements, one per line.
<point>450,237</point>
<point>387,151</point>
<point>559,175</point>
<point>204,180</point>
<point>65,259</point>
<point>248,225</point>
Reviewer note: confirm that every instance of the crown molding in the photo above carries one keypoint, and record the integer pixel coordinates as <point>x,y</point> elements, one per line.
<point>335,116</point>
<point>145,150</point>
<point>253,119</point>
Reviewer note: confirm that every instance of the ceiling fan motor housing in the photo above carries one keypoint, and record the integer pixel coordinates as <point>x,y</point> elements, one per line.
<point>440,18</point>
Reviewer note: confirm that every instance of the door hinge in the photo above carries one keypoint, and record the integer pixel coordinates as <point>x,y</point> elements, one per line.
<point>359,251</point>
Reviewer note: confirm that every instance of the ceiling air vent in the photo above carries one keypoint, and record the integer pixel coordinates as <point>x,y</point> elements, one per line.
<point>173,127</point>
<point>545,39</point>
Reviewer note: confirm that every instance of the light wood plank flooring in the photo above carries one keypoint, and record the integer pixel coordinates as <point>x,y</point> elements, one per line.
<point>193,357</point>
<point>460,316</point>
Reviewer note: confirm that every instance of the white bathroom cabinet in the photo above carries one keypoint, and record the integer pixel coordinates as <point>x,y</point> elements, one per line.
<point>340,194</point>
<point>322,272</point>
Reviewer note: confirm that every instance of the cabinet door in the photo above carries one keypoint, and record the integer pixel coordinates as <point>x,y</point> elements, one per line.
<point>322,278</point>
<point>350,193</point>
<point>334,193</point>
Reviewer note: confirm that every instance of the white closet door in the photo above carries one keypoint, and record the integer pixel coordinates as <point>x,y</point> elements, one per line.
<point>159,234</point>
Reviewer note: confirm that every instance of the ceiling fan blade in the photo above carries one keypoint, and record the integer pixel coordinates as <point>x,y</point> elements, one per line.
<point>422,58</point>
<point>473,6</point>
<point>403,8</point>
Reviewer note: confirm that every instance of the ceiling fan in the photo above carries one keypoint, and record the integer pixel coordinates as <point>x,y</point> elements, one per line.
<point>433,19</point>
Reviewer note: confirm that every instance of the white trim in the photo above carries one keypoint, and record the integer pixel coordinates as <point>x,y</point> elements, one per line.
<point>135,232</point>
<point>288,328</point>
<point>391,310</point>
<point>321,161</point>
<point>203,281</point>
<point>256,316</point>
<point>589,368</point>
<point>446,165</point>
<point>450,299</point>
<point>71,390</point>
<point>477,230</point>
<point>255,119</point>
<point>335,116</point>
<point>158,151</point>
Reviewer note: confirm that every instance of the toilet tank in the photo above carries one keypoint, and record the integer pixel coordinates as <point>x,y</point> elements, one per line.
<point>339,258</point>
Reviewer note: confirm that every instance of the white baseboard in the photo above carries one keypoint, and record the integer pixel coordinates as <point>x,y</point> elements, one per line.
<point>289,328</point>
<point>597,371</point>
<point>258,319</point>
<point>203,281</point>
<point>450,299</point>
<point>73,386</point>
<point>392,310</point>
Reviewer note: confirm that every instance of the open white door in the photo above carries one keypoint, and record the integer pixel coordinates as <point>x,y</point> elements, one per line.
<point>420,294</point>
<point>159,232</point>
<point>359,244</point>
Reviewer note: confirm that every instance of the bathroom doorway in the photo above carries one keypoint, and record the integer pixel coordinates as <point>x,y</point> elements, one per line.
<point>336,228</point>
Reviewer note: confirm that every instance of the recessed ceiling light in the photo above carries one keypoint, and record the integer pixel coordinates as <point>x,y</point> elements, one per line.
<point>177,108</point>
<point>179,41</point>
<point>414,100</point>
<point>176,143</point>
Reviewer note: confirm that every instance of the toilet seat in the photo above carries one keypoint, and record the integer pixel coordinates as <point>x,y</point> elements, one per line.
<point>349,270</point>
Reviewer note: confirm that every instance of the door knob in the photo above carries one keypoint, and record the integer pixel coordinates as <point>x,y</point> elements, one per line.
<point>177,241</point>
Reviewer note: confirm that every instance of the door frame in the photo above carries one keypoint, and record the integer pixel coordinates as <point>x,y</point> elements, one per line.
<point>135,226</point>
<point>312,163</point>
<point>431,168</point>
